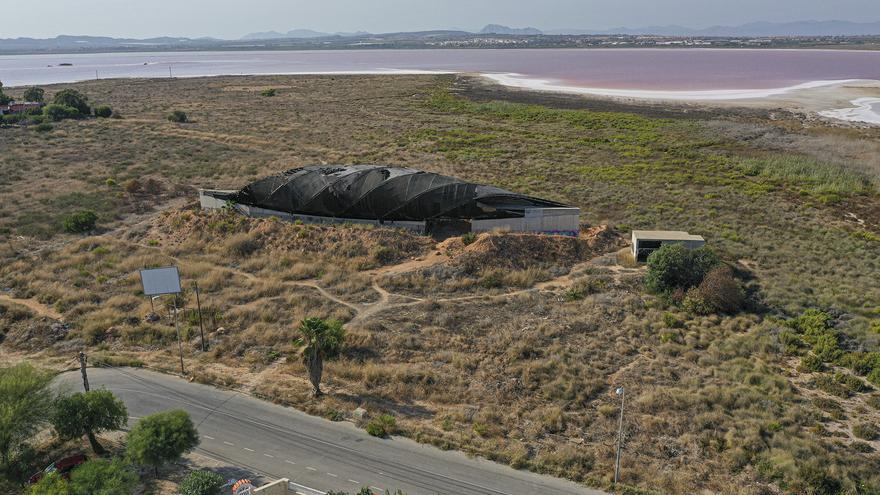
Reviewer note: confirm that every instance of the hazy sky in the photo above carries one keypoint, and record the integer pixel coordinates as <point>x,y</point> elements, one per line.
<point>234,18</point>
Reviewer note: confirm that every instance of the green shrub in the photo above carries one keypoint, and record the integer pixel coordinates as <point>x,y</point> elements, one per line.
<point>178,116</point>
<point>268,92</point>
<point>873,401</point>
<point>100,476</point>
<point>58,113</point>
<point>468,238</point>
<point>695,303</point>
<point>811,363</point>
<point>674,266</point>
<point>382,426</point>
<point>866,431</point>
<point>103,111</point>
<point>201,483</point>
<point>110,182</point>
<point>80,222</point>
<point>34,94</point>
<point>73,98</point>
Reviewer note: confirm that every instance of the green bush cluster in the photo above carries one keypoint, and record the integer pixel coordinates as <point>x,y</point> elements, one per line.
<point>80,222</point>
<point>694,278</point>
<point>74,99</point>
<point>269,92</point>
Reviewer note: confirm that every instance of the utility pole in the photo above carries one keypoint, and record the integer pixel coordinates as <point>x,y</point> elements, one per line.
<point>620,391</point>
<point>82,369</point>
<point>177,329</point>
<point>199,306</point>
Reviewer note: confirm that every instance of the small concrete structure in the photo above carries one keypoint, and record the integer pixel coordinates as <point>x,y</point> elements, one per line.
<point>277,487</point>
<point>645,242</point>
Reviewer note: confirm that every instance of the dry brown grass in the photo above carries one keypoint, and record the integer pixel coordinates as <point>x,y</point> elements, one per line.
<point>509,349</point>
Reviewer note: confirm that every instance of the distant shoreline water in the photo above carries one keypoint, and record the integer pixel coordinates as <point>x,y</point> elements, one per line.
<point>653,73</point>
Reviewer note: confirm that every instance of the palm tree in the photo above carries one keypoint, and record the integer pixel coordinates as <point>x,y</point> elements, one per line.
<point>319,340</point>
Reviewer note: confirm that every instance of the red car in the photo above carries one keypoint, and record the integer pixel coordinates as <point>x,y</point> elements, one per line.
<point>63,467</point>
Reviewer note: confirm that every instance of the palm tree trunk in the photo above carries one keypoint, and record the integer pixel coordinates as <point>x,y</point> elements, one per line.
<point>96,447</point>
<point>316,369</point>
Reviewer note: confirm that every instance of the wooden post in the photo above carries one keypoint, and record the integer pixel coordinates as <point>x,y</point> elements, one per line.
<point>82,369</point>
<point>199,306</point>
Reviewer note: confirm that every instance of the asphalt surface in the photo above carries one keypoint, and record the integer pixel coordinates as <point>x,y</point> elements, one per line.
<point>317,455</point>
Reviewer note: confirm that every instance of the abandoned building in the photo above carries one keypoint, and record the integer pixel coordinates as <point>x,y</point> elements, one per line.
<point>645,242</point>
<point>406,198</point>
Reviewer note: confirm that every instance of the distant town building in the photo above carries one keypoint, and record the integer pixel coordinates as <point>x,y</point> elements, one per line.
<point>19,107</point>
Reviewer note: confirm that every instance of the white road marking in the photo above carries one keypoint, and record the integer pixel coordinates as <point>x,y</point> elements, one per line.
<point>331,474</point>
<point>310,468</point>
<point>289,461</point>
<point>376,488</point>
<point>228,443</point>
<point>268,455</point>
<point>133,417</point>
<point>249,450</point>
<point>355,482</point>
<point>209,438</point>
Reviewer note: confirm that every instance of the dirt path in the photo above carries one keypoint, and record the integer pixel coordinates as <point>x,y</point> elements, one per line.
<point>34,305</point>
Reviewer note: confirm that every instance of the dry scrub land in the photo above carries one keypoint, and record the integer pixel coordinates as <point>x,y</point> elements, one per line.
<point>509,346</point>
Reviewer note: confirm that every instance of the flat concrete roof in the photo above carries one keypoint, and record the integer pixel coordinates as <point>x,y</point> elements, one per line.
<point>665,235</point>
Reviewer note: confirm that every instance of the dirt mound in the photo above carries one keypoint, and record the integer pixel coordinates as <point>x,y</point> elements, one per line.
<point>240,233</point>
<point>519,251</point>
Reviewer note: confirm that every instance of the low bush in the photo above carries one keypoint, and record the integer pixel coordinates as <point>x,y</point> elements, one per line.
<point>382,426</point>
<point>866,431</point>
<point>44,127</point>
<point>811,363</point>
<point>80,222</point>
<point>721,290</point>
<point>201,483</point>
<point>178,116</point>
<point>57,113</point>
<point>103,111</point>
<point>269,92</point>
<point>674,266</point>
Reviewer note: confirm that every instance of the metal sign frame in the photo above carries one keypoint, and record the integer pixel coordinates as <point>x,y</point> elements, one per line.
<point>159,281</point>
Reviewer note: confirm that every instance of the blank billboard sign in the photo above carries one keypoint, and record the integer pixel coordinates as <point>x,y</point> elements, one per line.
<point>158,281</point>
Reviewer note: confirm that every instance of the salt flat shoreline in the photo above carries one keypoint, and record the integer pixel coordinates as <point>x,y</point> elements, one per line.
<point>847,100</point>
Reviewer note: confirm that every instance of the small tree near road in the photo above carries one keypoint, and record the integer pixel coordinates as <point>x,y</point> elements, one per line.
<point>25,405</point>
<point>89,413</point>
<point>319,340</point>
<point>161,437</point>
<point>103,477</point>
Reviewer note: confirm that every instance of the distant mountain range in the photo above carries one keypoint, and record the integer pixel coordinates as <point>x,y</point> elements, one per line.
<point>499,29</point>
<point>800,28</point>
<point>310,39</point>
<point>297,34</point>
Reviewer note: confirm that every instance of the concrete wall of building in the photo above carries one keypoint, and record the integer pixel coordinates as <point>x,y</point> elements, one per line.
<point>565,221</point>
<point>278,487</point>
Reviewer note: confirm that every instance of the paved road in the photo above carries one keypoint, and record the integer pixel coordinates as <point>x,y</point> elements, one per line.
<point>315,454</point>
